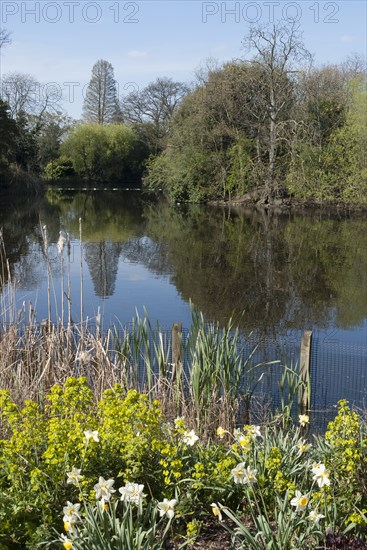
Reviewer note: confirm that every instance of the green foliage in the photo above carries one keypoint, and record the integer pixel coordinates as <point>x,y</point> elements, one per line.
<point>131,435</point>
<point>120,527</point>
<point>7,135</point>
<point>208,154</point>
<point>240,173</point>
<point>343,436</point>
<point>40,445</point>
<point>345,448</point>
<point>337,171</point>
<point>104,153</point>
<point>59,168</point>
<point>26,147</point>
<point>220,139</point>
<point>52,129</point>
<point>289,490</point>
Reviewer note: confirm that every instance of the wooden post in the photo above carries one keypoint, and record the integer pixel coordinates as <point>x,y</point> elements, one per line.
<point>304,398</point>
<point>176,348</point>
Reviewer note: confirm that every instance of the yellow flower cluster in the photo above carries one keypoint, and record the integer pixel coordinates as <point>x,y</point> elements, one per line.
<point>282,484</point>
<point>343,434</point>
<point>359,518</point>
<point>192,530</point>
<point>274,459</point>
<point>171,464</point>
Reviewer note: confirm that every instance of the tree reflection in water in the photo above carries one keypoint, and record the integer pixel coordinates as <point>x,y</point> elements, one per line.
<point>270,272</point>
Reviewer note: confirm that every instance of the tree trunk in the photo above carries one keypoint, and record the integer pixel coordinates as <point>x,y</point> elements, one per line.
<point>270,180</point>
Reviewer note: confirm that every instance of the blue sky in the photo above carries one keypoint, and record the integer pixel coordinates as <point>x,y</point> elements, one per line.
<point>59,41</point>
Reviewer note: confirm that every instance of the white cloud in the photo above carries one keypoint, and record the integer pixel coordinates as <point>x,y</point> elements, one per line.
<point>136,53</point>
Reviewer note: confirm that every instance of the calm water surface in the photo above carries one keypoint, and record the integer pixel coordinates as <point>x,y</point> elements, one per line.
<point>277,274</point>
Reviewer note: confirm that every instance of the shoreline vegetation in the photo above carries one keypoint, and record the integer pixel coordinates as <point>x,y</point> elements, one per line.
<point>272,130</point>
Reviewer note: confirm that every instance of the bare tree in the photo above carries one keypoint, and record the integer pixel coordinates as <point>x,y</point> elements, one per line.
<point>24,94</point>
<point>4,38</point>
<point>281,54</point>
<point>21,92</point>
<point>355,66</point>
<point>155,105</point>
<point>101,102</point>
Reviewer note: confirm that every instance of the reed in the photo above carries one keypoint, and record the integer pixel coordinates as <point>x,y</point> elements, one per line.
<point>213,385</point>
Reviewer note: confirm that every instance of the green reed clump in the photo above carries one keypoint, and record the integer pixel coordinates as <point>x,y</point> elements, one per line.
<point>221,378</point>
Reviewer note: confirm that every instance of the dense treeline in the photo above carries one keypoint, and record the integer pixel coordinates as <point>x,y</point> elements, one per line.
<point>110,145</point>
<point>269,128</point>
<point>266,130</point>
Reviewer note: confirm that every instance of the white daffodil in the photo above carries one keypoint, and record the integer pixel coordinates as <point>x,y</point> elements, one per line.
<point>321,475</point>
<point>66,542</point>
<point>71,512</point>
<point>91,435</point>
<point>317,468</point>
<point>190,438</point>
<point>221,432</point>
<point>299,501</point>
<point>243,475</point>
<point>303,446</point>
<point>253,431</point>
<point>74,476</point>
<point>166,508</point>
<point>132,492</point>
<point>103,505</point>
<point>104,488</point>
<point>239,473</point>
<point>70,528</point>
<point>250,476</point>
<point>237,433</point>
<point>314,516</point>
<point>216,511</point>
<point>304,419</point>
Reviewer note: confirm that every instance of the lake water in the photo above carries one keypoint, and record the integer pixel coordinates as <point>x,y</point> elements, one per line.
<point>276,275</point>
<point>273,274</point>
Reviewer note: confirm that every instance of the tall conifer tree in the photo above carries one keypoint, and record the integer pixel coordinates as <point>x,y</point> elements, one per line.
<point>101,104</point>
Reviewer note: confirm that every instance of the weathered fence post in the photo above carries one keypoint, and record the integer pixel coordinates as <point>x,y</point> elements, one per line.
<point>176,348</point>
<point>304,398</point>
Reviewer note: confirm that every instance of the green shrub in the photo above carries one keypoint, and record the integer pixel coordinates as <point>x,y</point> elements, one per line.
<point>40,445</point>
<point>289,490</point>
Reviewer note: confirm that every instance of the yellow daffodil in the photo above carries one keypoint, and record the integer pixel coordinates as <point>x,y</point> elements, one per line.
<point>66,542</point>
